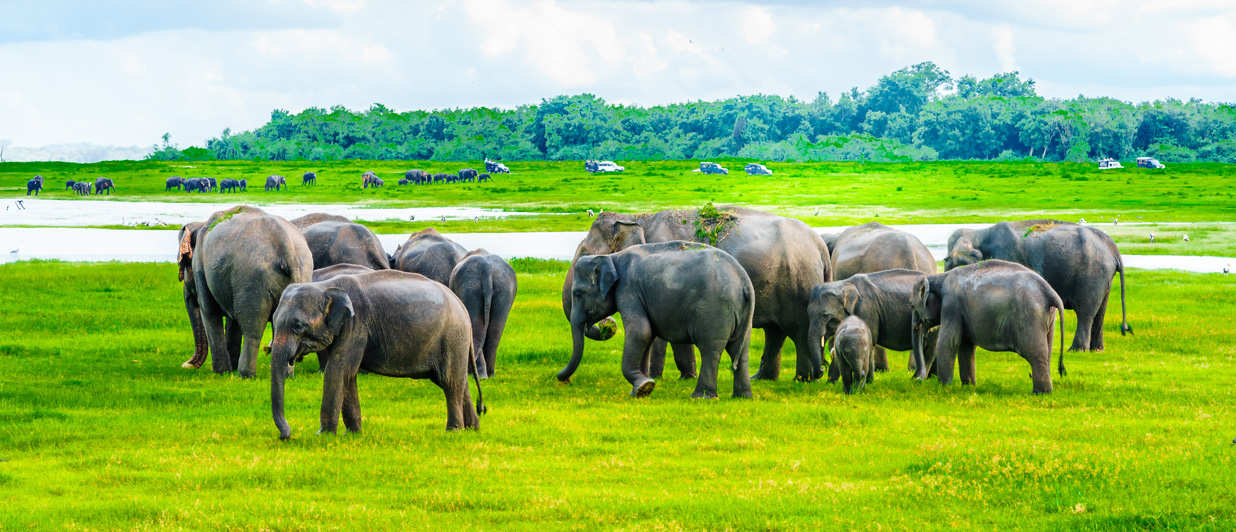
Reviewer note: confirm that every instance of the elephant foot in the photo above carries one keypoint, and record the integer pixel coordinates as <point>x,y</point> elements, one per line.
<point>687,376</point>
<point>762,376</point>
<point>741,395</point>
<point>704,395</point>
<point>643,389</point>
<point>190,364</point>
<point>804,378</point>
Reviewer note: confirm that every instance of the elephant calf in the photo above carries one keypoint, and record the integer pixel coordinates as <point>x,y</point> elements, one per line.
<point>486,285</point>
<point>684,292</point>
<point>996,305</point>
<point>388,323</point>
<point>854,348</point>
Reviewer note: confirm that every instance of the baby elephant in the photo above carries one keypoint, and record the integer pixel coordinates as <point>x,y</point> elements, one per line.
<point>684,292</point>
<point>996,305</point>
<point>852,350</point>
<point>386,322</point>
<point>486,285</point>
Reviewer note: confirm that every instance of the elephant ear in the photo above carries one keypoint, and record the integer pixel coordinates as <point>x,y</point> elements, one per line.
<point>338,309</point>
<point>626,234</point>
<point>607,275</point>
<point>849,298</point>
<point>185,256</point>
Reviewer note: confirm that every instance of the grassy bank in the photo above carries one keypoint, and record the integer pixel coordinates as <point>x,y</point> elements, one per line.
<point>101,429</point>
<point>844,193</point>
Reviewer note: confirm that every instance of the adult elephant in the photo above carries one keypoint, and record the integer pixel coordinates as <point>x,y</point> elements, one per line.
<point>34,185</point>
<point>343,242</point>
<point>102,184</point>
<point>441,178</point>
<point>82,188</point>
<point>1078,262</point>
<point>229,185</point>
<point>467,174</point>
<point>309,178</point>
<point>486,285</point>
<point>783,257</point>
<point>212,181</point>
<point>68,185</point>
<point>415,176</point>
<point>275,181</point>
<point>875,247</point>
<point>428,253</point>
<point>367,179</point>
<point>241,260</point>
<point>175,182</point>
<point>198,184</point>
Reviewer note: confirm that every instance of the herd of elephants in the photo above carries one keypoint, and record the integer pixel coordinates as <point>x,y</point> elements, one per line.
<point>273,182</point>
<point>692,280</point>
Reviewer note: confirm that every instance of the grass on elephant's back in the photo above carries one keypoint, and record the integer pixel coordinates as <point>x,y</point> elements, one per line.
<point>95,440</point>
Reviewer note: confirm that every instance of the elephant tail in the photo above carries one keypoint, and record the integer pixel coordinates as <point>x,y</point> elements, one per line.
<point>480,399</point>
<point>1060,322</point>
<point>1124,316</point>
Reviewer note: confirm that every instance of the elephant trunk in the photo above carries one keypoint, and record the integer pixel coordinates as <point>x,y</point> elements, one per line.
<point>593,331</point>
<point>281,356</point>
<point>815,347</point>
<point>201,345</point>
<point>577,346</point>
<point>918,335</point>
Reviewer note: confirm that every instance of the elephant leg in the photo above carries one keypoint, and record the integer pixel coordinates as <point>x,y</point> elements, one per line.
<point>770,361</point>
<point>965,361</point>
<point>479,331</point>
<point>252,343</point>
<point>231,328</point>
<point>879,359</point>
<point>212,321</point>
<point>351,405</point>
<point>201,347</point>
<point>834,369</point>
<point>1085,319</point>
<point>947,345</point>
<point>710,362</point>
<point>656,363</point>
<point>332,396</point>
<point>635,353</point>
<point>806,369</point>
<point>493,337</point>
<point>1096,329</point>
<point>1038,354</point>
<point>684,359</point>
<point>740,356</point>
<point>470,418</point>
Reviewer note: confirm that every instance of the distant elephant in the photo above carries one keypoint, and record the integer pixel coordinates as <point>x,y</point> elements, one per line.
<point>102,184</point>
<point>389,323</point>
<point>685,292</point>
<point>784,258</point>
<point>213,183</point>
<point>244,184</point>
<point>242,258</point>
<point>416,177</point>
<point>428,253</point>
<point>309,178</point>
<point>199,184</point>
<point>467,174</point>
<point>333,242</point>
<point>486,285</point>
<point>483,178</point>
<point>875,247</point>
<point>882,300</point>
<point>854,349</point>
<point>34,185</point>
<point>174,182</point>
<point>367,179</point>
<point>229,185</point>
<point>68,185</point>
<point>1078,261</point>
<point>441,178</point>
<point>996,305</point>
<point>331,272</point>
<point>403,181</point>
<point>82,188</point>
<point>201,346</point>
<point>274,182</point>
<point>376,182</point>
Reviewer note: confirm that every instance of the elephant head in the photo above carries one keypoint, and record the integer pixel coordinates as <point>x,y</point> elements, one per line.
<point>592,300</point>
<point>308,320</point>
<point>830,303</point>
<point>188,242</point>
<point>925,302</point>
<point>609,233</point>
<point>961,250</point>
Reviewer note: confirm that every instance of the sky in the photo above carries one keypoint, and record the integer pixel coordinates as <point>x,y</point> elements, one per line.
<point>124,72</point>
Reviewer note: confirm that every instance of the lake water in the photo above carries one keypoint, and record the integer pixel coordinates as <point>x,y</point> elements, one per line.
<point>76,244</point>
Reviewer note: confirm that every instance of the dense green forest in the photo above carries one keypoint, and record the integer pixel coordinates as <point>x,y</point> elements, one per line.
<point>918,113</point>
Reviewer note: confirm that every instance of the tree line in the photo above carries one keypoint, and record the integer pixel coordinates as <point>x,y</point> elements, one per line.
<point>918,113</point>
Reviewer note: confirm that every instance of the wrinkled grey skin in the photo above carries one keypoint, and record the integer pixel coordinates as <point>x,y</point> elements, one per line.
<point>1078,261</point>
<point>854,348</point>
<point>241,260</point>
<point>875,247</point>
<point>201,347</point>
<point>486,285</point>
<point>428,253</point>
<point>275,181</point>
<point>309,178</point>
<point>783,257</point>
<point>996,305</point>
<point>882,301</point>
<point>388,323</point>
<point>339,242</point>
<point>331,272</point>
<point>685,292</point>
<point>82,188</point>
<point>102,184</point>
<point>174,182</point>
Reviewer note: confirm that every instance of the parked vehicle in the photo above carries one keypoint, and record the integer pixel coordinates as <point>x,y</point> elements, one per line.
<point>757,169</point>
<point>602,166</point>
<point>712,168</point>
<point>1149,162</point>
<point>495,167</point>
<point>1109,164</point>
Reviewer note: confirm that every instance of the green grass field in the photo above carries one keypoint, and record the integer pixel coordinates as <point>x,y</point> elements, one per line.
<point>100,428</point>
<point>845,193</point>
